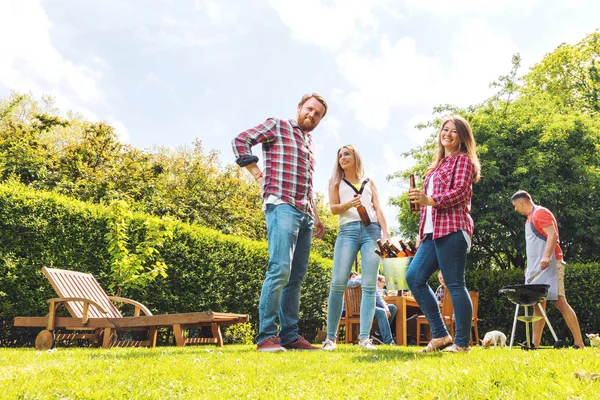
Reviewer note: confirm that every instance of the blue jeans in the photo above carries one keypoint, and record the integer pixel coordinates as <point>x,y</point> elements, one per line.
<point>289,233</point>
<point>449,254</point>
<point>352,238</point>
<point>384,322</point>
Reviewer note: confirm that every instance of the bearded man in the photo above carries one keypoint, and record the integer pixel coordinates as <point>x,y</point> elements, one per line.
<point>291,215</point>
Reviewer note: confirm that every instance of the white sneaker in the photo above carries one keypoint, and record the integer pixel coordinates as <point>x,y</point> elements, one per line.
<point>366,344</point>
<point>329,345</point>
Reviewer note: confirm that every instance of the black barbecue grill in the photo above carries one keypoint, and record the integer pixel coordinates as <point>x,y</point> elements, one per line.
<point>528,296</point>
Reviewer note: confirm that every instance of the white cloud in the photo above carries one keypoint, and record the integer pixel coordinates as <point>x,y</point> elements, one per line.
<point>331,127</point>
<point>416,136</point>
<point>445,8</point>
<point>168,37</point>
<point>480,57</point>
<point>399,76</point>
<point>30,62</point>
<point>331,26</point>
<point>402,76</point>
<point>120,129</point>
<point>203,23</point>
<point>219,12</point>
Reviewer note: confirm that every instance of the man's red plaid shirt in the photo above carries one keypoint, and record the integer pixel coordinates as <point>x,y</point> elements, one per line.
<point>289,160</point>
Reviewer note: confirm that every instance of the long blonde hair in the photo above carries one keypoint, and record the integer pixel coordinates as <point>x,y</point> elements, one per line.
<point>338,171</point>
<point>467,144</point>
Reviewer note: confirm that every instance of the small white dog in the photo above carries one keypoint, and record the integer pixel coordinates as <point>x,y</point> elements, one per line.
<point>594,339</point>
<point>496,338</point>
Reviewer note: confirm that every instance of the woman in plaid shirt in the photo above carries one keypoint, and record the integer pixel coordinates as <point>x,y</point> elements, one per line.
<point>445,232</point>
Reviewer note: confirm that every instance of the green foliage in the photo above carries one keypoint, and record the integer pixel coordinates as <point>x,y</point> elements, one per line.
<point>239,334</point>
<point>208,271</point>
<point>324,246</point>
<point>541,134</point>
<point>131,269</point>
<point>568,77</point>
<point>86,160</point>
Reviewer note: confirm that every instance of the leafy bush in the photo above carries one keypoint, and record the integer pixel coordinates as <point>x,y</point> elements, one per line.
<point>206,270</point>
<point>239,334</point>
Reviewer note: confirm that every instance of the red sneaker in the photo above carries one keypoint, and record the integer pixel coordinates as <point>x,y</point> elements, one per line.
<point>270,344</point>
<point>301,344</point>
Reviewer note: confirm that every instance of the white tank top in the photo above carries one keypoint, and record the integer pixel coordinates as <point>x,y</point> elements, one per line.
<point>346,193</point>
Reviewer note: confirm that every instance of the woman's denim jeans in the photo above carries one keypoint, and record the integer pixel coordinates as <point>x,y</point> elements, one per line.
<point>289,233</point>
<point>351,238</point>
<point>449,254</point>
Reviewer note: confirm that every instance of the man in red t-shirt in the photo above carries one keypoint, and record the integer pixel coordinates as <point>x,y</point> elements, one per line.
<point>543,251</point>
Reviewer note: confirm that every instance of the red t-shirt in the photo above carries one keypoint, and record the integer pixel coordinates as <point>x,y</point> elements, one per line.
<point>543,218</point>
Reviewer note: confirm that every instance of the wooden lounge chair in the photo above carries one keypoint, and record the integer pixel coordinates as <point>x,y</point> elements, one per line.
<point>92,310</point>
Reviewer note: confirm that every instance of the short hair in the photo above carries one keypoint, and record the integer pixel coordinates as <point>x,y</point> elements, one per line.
<point>317,96</point>
<point>380,278</point>
<point>521,194</point>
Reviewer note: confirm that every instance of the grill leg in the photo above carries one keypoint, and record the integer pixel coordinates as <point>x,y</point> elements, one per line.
<point>527,335</point>
<point>512,336</point>
<point>547,321</point>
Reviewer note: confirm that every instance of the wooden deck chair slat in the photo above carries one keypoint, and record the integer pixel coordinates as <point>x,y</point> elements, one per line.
<point>78,284</point>
<point>97,294</point>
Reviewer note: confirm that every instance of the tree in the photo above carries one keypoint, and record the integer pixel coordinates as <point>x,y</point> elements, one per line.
<point>538,133</point>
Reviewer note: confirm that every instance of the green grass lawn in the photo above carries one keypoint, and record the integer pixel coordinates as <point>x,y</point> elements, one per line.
<point>237,371</point>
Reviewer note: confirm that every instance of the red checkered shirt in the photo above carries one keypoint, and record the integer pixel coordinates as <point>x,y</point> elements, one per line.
<point>452,190</point>
<point>289,160</point>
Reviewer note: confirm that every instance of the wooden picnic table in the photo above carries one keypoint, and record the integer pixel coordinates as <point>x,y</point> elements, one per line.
<point>407,306</point>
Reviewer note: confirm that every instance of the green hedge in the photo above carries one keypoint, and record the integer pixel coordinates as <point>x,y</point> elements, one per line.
<point>208,271</point>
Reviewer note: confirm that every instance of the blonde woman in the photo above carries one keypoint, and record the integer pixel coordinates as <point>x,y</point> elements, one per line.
<point>445,232</point>
<point>349,189</point>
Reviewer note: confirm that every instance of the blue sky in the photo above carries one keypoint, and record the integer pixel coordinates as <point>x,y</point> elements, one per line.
<point>166,72</point>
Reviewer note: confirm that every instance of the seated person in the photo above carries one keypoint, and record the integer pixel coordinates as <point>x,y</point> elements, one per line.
<point>439,292</point>
<point>384,313</point>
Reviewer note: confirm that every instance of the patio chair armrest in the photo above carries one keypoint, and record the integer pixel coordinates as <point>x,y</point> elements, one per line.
<point>138,306</point>
<point>86,305</point>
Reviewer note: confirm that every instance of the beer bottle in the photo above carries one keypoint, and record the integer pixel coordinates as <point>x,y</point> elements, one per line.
<point>363,214</point>
<point>414,207</point>
<point>381,250</point>
<point>391,253</point>
<point>399,253</point>
<point>412,247</point>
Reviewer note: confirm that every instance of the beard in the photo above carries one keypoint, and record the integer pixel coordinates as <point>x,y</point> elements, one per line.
<point>306,123</point>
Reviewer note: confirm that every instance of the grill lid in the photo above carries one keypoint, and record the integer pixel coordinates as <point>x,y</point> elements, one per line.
<point>526,294</point>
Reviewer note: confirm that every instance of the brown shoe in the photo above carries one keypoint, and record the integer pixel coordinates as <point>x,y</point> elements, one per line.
<point>437,344</point>
<point>270,344</point>
<point>300,344</point>
<point>457,349</point>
